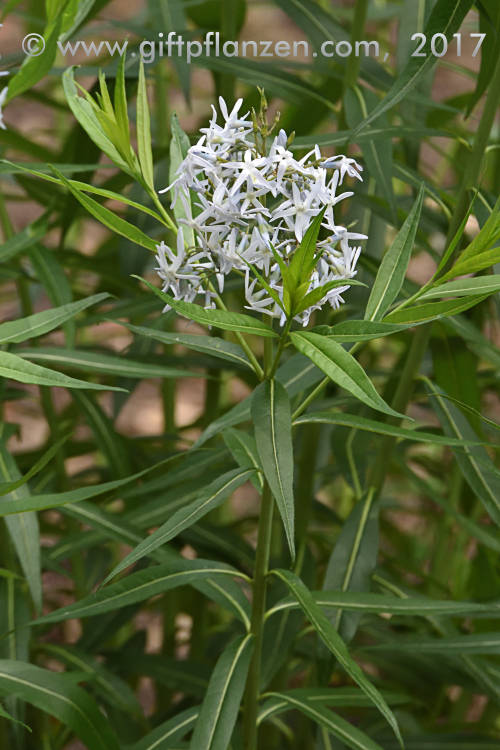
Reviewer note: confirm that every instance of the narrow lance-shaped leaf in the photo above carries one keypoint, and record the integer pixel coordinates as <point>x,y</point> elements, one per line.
<point>373,603</point>
<point>19,369</point>
<point>168,734</point>
<point>433,310</point>
<point>271,416</point>
<point>228,321</point>
<point>476,466</point>
<point>219,710</point>
<point>106,364</point>
<point>12,332</point>
<point>58,696</point>
<point>465,287</point>
<point>179,146</point>
<point>113,222</point>
<point>350,735</point>
<point>212,345</point>
<point>353,560</point>
<point>144,130</point>
<point>86,116</point>
<point>6,487</point>
<point>335,644</point>
<point>341,367</point>
<point>392,270</point>
<point>142,585</point>
<point>23,528</point>
<point>482,251</point>
<point>343,419</point>
<point>211,497</point>
<point>55,499</point>
<point>243,449</point>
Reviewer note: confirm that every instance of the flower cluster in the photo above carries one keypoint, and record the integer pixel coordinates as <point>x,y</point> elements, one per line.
<point>243,206</point>
<point>3,95</point>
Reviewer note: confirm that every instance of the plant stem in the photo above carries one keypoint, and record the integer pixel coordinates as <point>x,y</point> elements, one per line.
<point>258,611</point>
<point>259,586</point>
<point>357,32</point>
<point>474,162</point>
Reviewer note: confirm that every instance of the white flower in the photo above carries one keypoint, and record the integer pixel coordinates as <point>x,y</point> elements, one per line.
<point>243,206</point>
<point>345,165</point>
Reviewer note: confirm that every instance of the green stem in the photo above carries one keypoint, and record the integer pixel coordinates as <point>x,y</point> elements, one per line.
<point>475,160</point>
<point>357,33</point>
<point>400,401</point>
<point>281,346</point>
<point>241,340</point>
<point>259,587</point>
<point>257,623</point>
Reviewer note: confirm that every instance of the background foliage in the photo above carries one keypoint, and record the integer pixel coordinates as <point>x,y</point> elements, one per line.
<point>116,422</point>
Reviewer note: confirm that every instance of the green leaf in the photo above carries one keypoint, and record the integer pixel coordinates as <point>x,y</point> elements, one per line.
<point>317,294</point>
<point>481,253</point>
<point>296,375</point>
<point>168,734</point>
<point>111,688</point>
<point>359,330</point>
<point>433,310</point>
<point>372,603</point>
<point>144,130</point>
<point>338,696</point>
<point>120,101</point>
<point>446,18</point>
<point>59,697</point>
<point>353,560</point>
<point>271,416</point>
<point>179,146</point>
<point>36,67</point>
<point>473,643</point>
<point>392,270</point>
<point>243,449</point>
<point>55,499</point>
<point>341,367</point>
<point>476,466</point>
<point>219,710</point>
<point>465,287</point>
<point>211,497</point>
<point>335,644</point>
<point>211,345</point>
<point>228,321</point>
<point>23,528</point>
<point>85,114</point>
<point>303,260</point>
<point>78,185</point>
<point>32,326</point>
<point>6,487</point>
<point>17,368</point>
<point>141,585</point>
<point>24,239</point>
<point>110,220</point>
<point>382,428</point>
<point>339,727</point>
<point>108,364</point>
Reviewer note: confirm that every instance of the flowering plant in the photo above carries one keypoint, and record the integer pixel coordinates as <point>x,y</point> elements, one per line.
<point>258,602</point>
<point>247,203</point>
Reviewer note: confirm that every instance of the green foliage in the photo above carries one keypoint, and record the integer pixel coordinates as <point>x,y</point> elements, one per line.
<point>222,531</point>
